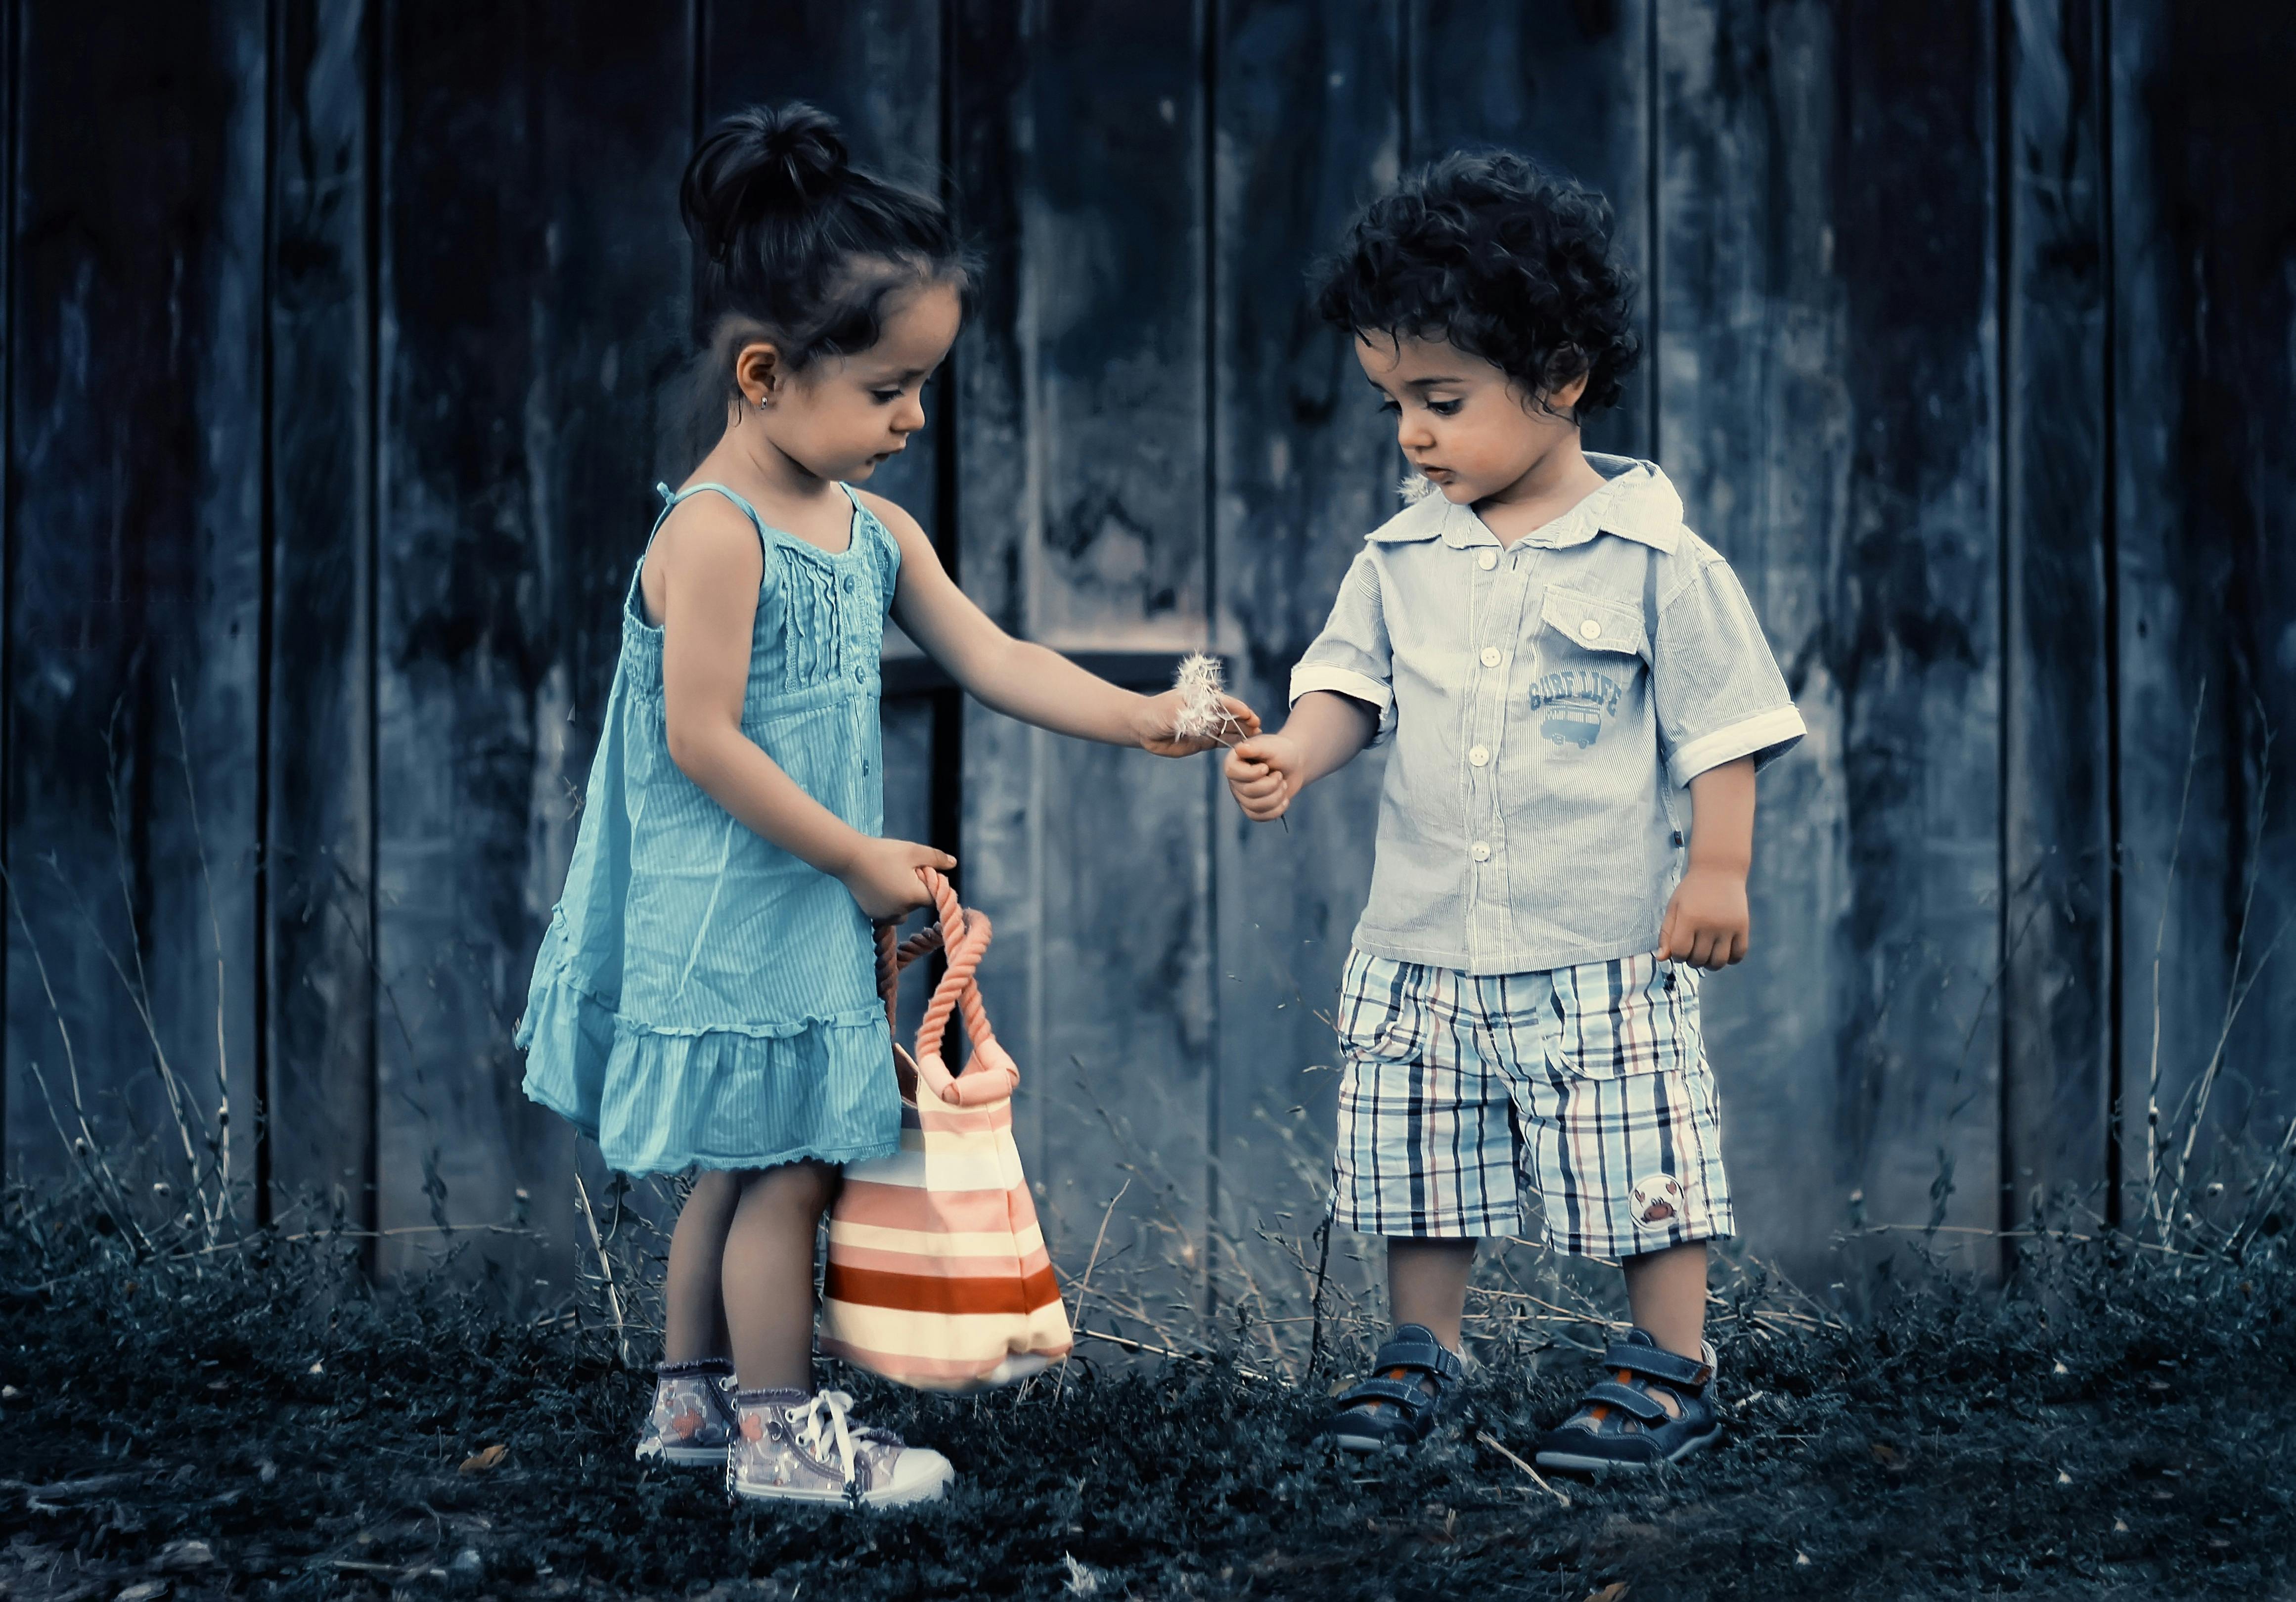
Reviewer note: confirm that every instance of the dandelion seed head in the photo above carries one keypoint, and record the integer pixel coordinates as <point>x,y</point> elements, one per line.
<point>1203,710</point>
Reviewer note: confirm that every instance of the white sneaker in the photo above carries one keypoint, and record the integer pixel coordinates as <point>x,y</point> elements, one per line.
<point>799,1448</point>
<point>692,1421</point>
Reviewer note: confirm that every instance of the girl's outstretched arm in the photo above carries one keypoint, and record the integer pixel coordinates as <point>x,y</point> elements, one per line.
<point>1027,681</point>
<point>709,565</point>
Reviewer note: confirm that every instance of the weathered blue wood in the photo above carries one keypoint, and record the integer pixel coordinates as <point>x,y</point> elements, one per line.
<point>1565,83</point>
<point>135,575</point>
<point>2056,994</point>
<point>1082,504</point>
<point>2206,603</point>
<point>533,296</point>
<point>1824,315</point>
<point>1308,125</point>
<point>320,839</point>
<point>12,1102</point>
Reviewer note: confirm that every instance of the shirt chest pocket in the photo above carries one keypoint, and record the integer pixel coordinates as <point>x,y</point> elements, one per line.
<point>1602,628</point>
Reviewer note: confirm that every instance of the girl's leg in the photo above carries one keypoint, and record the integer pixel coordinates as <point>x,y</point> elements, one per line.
<point>768,1274</point>
<point>1427,1284</point>
<point>694,1323</point>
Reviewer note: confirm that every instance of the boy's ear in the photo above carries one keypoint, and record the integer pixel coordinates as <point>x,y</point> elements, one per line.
<point>1563,398</point>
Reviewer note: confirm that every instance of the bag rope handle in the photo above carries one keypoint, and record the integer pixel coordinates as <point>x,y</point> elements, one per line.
<point>964,936</point>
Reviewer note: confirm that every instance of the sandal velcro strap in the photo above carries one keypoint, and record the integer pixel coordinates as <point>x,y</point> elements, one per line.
<point>1626,1400</point>
<point>1404,1394</point>
<point>1657,1363</point>
<point>1413,1348</point>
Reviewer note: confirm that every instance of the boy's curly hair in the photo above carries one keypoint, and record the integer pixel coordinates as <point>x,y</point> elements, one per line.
<point>1501,258</point>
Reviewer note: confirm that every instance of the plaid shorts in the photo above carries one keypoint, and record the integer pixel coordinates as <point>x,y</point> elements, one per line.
<point>1465,1096</point>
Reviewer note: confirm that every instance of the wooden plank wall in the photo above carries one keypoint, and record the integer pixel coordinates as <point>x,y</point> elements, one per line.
<point>339,333</point>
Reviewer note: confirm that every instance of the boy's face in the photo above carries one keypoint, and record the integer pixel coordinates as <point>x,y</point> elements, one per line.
<point>844,416</point>
<point>1466,425</point>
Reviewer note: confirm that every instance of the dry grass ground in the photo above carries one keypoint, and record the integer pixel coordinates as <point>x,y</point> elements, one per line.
<point>254,1422</point>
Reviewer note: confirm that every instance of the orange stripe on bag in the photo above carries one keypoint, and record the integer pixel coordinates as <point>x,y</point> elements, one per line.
<point>934,1293</point>
<point>953,1290</point>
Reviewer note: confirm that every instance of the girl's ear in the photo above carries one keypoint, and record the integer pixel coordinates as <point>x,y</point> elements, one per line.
<point>760,372</point>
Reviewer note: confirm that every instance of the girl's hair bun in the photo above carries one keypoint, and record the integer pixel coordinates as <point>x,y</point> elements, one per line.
<point>758,163</point>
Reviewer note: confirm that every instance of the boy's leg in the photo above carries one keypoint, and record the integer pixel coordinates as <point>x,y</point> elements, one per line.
<point>1427,1284</point>
<point>1667,1290</point>
<point>693,1307</point>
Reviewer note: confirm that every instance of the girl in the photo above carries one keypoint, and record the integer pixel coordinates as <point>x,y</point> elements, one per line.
<point>704,997</point>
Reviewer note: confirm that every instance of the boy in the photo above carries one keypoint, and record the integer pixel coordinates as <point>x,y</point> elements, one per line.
<point>1559,663</point>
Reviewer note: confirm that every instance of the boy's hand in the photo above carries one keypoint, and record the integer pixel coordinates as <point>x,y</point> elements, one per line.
<point>1262,775</point>
<point>883,878</point>
<point>1158,729</point>
<point>1707,923</point>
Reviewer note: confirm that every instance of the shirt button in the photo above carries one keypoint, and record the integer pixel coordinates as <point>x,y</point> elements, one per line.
<point>1480,851</point>
<point>1480,757</point>
<point>848,583</point>
<point>1488,560</point>
<point>1590,629</point>
<point>1490,656</point>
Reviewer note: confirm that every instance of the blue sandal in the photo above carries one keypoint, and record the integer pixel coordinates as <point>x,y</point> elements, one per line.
<point>1621,1424</point>
<point>1414,1381</point>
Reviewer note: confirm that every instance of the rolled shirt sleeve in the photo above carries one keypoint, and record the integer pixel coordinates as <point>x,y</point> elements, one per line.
<point>1718,693</point>
<point>1352,656</point>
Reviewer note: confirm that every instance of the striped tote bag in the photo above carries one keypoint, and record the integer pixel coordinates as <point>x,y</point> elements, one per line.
<point>938,1275</point>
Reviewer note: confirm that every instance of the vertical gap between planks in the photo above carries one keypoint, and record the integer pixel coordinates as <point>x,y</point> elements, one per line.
<point>374,164</point>
<point>1208,31</point>
<point>1407,103</point>
<point>12,90</point>
<point>266,606</point>
<point>1653,129</point>
<point>2006,1143</point>
<point>944,784</point>
<point>698,38</point>
<point>2100,68</point>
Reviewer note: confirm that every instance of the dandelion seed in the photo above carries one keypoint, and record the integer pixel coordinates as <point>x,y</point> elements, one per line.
<point>1415,489</point>
<point>1082,1580</point>
<point>2059,1369</point>
<point>1801,1560</point>
<point>2063,1478</point>
<point>1204,708</point>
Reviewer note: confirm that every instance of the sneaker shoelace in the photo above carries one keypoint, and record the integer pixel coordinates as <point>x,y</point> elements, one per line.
<point>823,1420</point>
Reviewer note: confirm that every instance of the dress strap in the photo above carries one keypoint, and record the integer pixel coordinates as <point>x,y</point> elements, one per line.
<point>669,500</point>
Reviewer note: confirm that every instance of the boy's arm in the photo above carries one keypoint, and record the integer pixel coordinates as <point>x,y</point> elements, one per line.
<point>1020,678</point>
<point>1707,923</point>
<point>1325,733</point>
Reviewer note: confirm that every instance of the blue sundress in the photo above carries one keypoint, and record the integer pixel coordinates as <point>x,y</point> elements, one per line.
<point>702,998</point>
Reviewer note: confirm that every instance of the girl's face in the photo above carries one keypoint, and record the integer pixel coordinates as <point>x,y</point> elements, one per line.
<point>1466,425</point>
<point>842,416</point>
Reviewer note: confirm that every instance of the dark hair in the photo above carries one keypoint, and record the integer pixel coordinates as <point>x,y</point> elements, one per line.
<point>1499,257</point>
<point>795,243</point>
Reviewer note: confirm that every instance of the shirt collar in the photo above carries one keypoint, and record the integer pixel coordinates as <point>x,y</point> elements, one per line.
<point>1638,503</point>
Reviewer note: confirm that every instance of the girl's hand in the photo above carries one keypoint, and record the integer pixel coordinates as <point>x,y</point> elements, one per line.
<point>1263,774</point>
<point>1707,923</point>
<point>1157,726</point>
<point>883,878</point>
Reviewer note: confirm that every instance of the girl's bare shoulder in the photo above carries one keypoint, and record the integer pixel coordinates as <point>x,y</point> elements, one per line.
<point>707,535</point>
